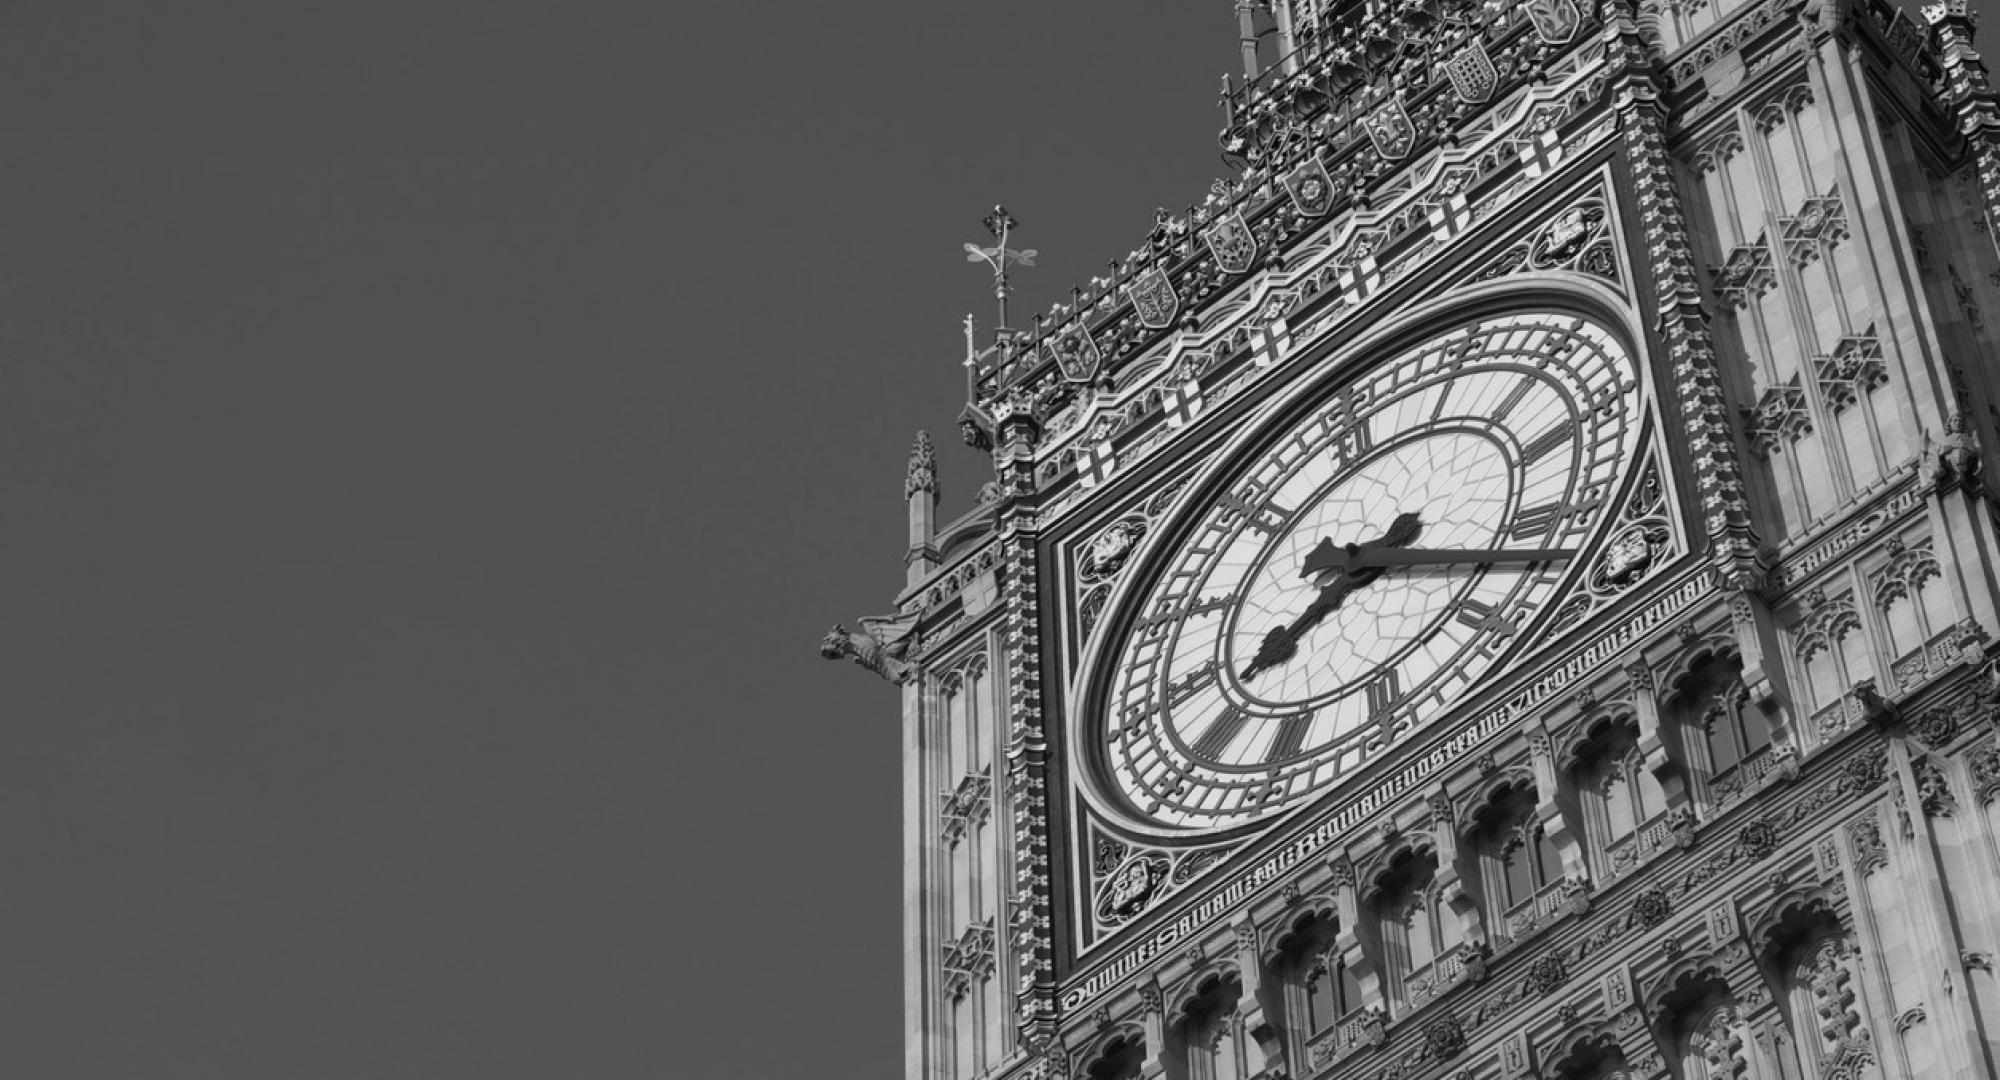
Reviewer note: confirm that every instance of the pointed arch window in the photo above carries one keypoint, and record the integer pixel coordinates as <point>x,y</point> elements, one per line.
<point>1833,654</point>
<point>1914,609</point>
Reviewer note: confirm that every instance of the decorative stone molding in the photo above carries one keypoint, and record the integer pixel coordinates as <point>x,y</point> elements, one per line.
<point>920,476</point>
<point>1864,836</point>
<point>1779,419</point>
<point>1746,275</point>
<point>1852,371</point>
<point>1934,790</point>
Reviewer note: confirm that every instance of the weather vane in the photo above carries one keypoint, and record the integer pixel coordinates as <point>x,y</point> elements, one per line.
<point>1000,223</point>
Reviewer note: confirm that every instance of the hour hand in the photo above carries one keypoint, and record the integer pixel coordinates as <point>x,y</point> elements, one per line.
<point>1282,642</point>
<point>1342,557</point>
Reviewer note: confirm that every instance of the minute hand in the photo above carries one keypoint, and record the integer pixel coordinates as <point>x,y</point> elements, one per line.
<point>1441,556</point>
<point>1329,556</point>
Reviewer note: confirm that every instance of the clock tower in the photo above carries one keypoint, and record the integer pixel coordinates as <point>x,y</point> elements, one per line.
<point>1504,587</point>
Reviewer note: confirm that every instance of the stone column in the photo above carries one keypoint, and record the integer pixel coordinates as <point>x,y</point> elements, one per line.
<point>1347,899</point>
<point>1556,821</point>
<point>1652,740</point>
<point>1464,905</point>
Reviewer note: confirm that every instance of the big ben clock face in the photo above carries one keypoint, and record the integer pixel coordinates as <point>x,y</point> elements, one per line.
<point>1365,568</point>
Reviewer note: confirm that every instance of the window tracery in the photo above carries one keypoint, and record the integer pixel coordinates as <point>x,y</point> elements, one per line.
<point>1832,651</point>
<point>1915,610</point>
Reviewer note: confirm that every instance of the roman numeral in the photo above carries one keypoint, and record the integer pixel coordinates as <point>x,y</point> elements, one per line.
<point>1186,611</point>
<point>1485,617</point>
<point>1184,687</point>
<point>1384,692</point>
<point>1351,428</point>
<point>1444,395</point>
<point>1265,517</point>
<point>1547,441</point>
<point>1291,735</point>
<point>1221,732</point>
<point>1536,520</point>
<point>1513,397</point>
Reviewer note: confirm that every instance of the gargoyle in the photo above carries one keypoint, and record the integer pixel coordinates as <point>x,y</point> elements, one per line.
<point>881,645</point>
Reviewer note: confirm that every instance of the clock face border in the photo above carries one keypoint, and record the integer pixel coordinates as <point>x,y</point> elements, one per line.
<point>1229,449</point>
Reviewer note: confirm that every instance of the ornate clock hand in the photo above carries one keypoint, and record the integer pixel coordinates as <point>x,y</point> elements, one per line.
<point>1382,557</point>
<point>1331,556</point>
<point>1282,643</point>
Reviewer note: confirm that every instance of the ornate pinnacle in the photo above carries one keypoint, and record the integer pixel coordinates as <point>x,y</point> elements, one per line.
<point>922,474</point>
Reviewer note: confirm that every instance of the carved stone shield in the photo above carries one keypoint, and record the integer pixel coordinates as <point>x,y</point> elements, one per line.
<point>1311,187</point>
<point>1389,128</point>
<point>1230,239</point>
<point>1555,20</point>
<point>1471,72</point>
<point>1153,298</point>
<point>1075,352</point>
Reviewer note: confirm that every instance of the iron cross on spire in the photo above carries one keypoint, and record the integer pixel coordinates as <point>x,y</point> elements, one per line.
<point>1000,223</point>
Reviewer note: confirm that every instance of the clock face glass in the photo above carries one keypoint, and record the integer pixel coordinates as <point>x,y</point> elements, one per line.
<point>1364,569</point>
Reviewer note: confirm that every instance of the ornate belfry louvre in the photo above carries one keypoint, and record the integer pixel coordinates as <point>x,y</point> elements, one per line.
<point>1504,587</point>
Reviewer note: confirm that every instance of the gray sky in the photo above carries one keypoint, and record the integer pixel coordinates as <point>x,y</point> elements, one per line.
<point>433,439</point>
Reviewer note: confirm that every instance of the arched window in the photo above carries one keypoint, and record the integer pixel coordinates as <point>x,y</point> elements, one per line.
<point>1597,1058</point>
<point>1821,1032</point>
<point>1618,790</point>
<point>1331,992</point>
<point>1711,1045</point>
<point>1732,730</point>
<point>1834,654</point>
<point>1699,1013</point>
<point>954,729</point>
<point>1416,925</point>
<point>1123,1058</point>
<point>1915,608</point>
<point>1213,1041</point>
<point>1529,863</point>
<point>1319,987</point>
<point>1517,859</point>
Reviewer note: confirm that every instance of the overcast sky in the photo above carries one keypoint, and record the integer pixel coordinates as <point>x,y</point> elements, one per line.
<point>433,438</point>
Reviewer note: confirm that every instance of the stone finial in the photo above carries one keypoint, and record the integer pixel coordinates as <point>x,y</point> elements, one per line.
<point>922,474</point>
